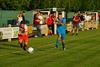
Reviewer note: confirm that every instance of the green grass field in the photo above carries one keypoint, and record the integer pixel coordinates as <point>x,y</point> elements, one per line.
<point>82,51</point>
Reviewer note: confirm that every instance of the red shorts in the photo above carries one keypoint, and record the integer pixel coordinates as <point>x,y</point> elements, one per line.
<point>23,38</point>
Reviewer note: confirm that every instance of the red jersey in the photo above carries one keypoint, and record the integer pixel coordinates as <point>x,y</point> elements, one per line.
<point>49,21</point>
<point>36,21</point>
<point>23,33</point>
<point>53,18</point>
<point>76,19</point>
<point>23,29</point>
<point>99,14</point>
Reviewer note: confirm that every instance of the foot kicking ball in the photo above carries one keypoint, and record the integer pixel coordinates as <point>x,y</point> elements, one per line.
<point>30,50</point>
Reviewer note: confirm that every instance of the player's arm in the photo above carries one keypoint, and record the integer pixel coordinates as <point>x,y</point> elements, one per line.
<point>20,31</point>
<point>26,29</point>
<point>63,22</point>
<point>56,20</point>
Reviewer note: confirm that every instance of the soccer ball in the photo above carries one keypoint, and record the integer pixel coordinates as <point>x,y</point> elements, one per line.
<point>30,50</point>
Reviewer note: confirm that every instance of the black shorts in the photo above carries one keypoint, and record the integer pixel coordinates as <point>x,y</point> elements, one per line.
<point>50,27</point>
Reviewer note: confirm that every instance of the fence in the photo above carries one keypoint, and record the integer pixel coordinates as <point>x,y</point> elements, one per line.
<point>9,17</point>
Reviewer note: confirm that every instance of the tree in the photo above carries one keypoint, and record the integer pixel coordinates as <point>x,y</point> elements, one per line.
<point>70,5</point>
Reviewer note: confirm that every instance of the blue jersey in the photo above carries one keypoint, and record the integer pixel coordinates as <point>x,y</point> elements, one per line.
<point>62,27</point>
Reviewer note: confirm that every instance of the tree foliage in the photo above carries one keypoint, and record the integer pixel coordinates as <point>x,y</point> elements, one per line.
<point>70,5</point>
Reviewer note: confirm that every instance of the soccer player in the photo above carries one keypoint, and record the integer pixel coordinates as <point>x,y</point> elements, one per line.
<point>23,35</point>
<point>61,31</point>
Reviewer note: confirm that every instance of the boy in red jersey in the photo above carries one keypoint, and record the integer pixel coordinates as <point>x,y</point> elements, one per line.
<point>23,35</point>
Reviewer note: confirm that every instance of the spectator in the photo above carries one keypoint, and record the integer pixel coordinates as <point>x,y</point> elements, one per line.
<point>37,24</point>
<point>87,21</point>
<point>76,20</point>
<point>81,24</point>
<point>23,15</point>
<point>19,19</point>
<point>40,16</point>
<point>49,22</point>
<point>53,20</point>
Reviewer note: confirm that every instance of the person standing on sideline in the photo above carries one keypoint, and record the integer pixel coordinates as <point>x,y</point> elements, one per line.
<point>23,15</point>
<point>76,21</point>
<point>61,31</point>
<point>49,23</point>
<point>81,24</point>
<point>19,19</point>
<point>37,25</point>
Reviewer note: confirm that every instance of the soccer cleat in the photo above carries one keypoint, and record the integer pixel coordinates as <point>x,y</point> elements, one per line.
<point>24,48</point>
<point>56,47</point>
<point>64,49</point>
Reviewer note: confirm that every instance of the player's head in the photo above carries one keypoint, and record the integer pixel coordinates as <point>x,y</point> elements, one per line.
<point>60,16</point>
<point>49,15</point>
<point>23,13</point>
<point>22,23</point>
<point>20,14</point>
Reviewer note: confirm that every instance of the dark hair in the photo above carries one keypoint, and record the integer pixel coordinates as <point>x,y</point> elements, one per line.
<point>22,22</point>
<point>23,11</point>
<point>60,14</point>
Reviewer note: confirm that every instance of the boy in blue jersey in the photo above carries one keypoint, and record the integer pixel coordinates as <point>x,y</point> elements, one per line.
<point>61,31</point>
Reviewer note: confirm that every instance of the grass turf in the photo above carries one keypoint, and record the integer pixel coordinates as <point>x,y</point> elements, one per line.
<point>82,51</point>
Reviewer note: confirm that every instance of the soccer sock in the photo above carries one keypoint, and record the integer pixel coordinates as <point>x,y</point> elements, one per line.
<point>76,33</point>
<point>57,43</point>
<point>63,45</point>
<point>21,45</point>
<point>24,47</point>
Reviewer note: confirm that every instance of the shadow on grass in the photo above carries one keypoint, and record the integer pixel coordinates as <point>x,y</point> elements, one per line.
<point>20,53</point>
<point>8,45</point>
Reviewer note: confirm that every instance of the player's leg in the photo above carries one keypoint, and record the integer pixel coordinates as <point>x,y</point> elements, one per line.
<point>39,30</point>
<point>73,30</point>
<point>53,29</point>
<point>63,40</point>
<point>58,38</point>
<point>77,29</point>
<point>21,43</point>
<point>20,39</point>
<point>25,42</point>
<point>25,45</point>
<point>50,30</point>
<point>63,44</point>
